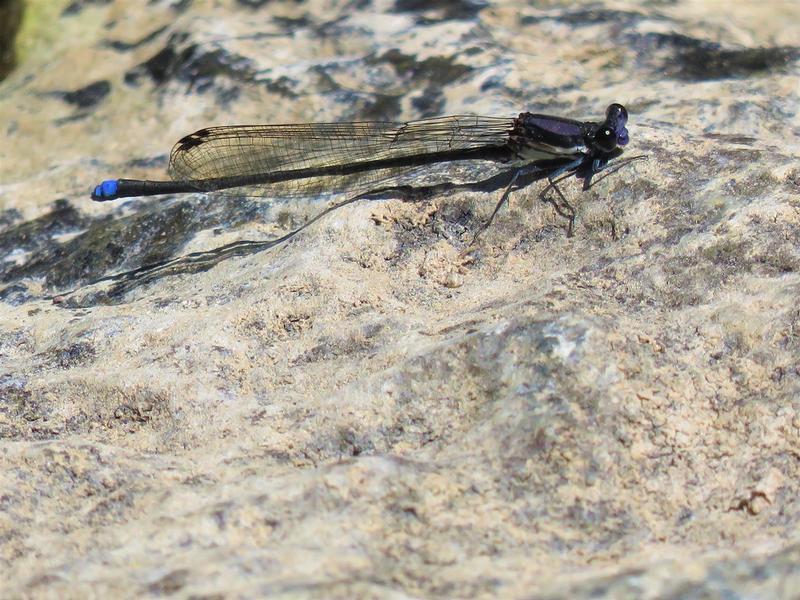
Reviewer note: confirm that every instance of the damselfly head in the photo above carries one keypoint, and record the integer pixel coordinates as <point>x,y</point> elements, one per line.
<point>611,133</point>
<point>616,118</point>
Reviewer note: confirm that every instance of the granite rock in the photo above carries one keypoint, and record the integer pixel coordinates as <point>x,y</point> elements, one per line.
<point>192,405</point>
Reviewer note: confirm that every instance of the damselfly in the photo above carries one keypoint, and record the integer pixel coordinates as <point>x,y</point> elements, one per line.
<point>318,158</point>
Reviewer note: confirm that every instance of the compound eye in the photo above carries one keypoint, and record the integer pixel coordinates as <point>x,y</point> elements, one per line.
<point>605,139</point>
<point>616,116</point>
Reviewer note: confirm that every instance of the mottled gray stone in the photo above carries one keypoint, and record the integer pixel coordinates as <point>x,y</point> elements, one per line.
<point>373,408</point>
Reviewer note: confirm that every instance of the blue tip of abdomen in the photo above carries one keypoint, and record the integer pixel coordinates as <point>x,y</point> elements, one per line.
<point>107,190</point>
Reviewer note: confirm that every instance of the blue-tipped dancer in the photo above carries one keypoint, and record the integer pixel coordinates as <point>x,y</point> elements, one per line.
<point>319,158</point>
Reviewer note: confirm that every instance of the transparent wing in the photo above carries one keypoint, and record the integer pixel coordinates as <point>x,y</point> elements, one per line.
<point>251,150</point>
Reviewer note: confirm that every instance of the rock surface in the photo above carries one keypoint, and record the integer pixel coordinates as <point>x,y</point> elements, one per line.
<point>374,409</point>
